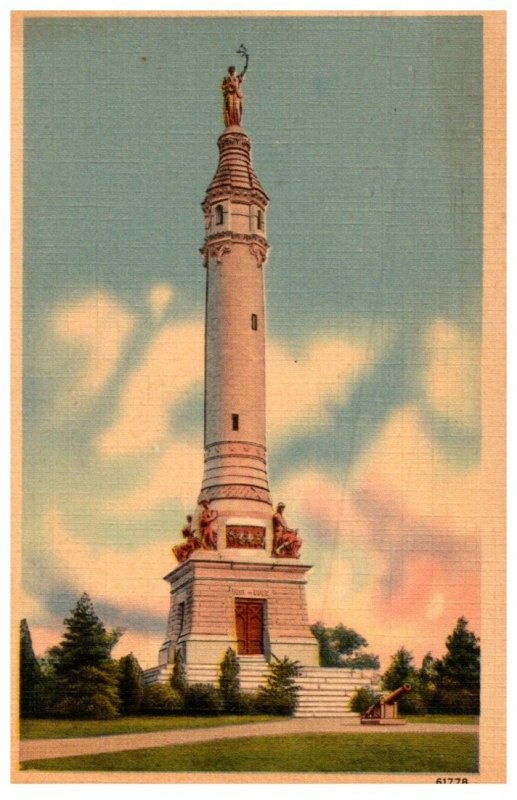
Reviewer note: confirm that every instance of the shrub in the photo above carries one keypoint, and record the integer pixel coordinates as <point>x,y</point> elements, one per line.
<point>160,699</point>
<point>203,699</point>
<point>456,701</point>
<point>362,699</point>
<point>131,684</point>
<point>280,694</point>
<point>246,703</point>
<point>179,675</point>
<point>229,685</point>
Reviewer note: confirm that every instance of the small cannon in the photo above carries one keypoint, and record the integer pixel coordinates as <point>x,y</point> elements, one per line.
<point>385,710</point>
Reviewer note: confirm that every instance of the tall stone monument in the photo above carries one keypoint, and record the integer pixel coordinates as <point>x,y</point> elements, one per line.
<point>239,581</point>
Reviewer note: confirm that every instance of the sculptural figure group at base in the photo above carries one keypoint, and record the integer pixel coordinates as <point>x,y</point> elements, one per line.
<point>208,531</point>
<point>208,540</point>
<point>286,540</point>
<point>191,543</point>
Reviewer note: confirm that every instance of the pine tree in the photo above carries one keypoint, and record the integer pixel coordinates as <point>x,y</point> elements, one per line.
<point>87,678</point>
<point>280,694</point>
<point>31,678</point>
<point>458,672</point>
<point>400,671</point>
<point>131,684</point>
<point>427,679</point>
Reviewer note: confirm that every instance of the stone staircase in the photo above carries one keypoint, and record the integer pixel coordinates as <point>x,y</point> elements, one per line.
<point>324,691</point>
<point>253,671</point>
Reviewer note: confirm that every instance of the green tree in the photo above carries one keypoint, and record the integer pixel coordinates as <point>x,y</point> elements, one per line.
<point>458,672</point>
<point>229,684</point>
<point>339,646</point>
<point>31,676</point>
<point>86,676</point>
<point>179,674</point>
<point>427,681</point>
<point>400,671</point>
<point>130,684</point>
<point>280,694</point>
<point>48,672</point>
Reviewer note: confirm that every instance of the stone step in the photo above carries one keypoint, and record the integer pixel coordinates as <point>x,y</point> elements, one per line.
<point>352,673</point>
<point>324,711</point>
<point>329,692</point>
<point>342,686</point>
<point>326,715</point>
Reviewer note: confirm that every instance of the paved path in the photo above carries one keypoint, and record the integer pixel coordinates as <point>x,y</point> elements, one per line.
<point>57,748</point>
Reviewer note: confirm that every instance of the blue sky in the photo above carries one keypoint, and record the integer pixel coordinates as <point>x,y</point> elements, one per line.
<point>367,136</point>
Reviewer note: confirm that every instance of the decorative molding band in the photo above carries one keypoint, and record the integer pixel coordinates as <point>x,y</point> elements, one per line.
<point>233,236</point>
<point>227,191</point>
<point>250,449</point>
<point>218,245</point>
<point>238,491</point>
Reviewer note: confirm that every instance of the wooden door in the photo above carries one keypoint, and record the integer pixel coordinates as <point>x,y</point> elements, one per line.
<point>250,627</point>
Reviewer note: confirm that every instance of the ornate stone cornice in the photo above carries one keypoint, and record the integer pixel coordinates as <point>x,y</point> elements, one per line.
<point>235,138</point>
<point>218,244</point>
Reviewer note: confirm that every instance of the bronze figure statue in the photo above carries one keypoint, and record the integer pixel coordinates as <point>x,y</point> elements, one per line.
<point>232,92</point>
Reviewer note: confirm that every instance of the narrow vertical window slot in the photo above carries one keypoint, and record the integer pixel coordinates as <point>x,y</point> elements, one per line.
<point>235,422</point>
<point>254,322</point>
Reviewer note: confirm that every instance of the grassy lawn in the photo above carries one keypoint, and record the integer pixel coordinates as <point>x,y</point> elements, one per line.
<point>65,728</point>
<point>328,752</point>
<point>443,719</point>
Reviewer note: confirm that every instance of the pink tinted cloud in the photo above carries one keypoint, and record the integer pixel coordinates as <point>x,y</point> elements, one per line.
<point>397,576</point>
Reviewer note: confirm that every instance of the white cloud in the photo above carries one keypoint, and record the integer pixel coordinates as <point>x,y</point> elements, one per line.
<point>160,296</point>
<point>404,461</point>
<point>128,579</point>
<point>302,388</point>
<point>172,365</point>
<point>99,325</point>
<point>174,480</point>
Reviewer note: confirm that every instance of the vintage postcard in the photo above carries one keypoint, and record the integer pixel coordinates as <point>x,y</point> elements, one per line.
<point>258,397</point>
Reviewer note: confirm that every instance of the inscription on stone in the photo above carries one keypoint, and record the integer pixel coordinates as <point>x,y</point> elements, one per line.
<point>239,536</point>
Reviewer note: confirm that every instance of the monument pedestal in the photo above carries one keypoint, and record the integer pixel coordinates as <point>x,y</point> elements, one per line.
<point>253,604</point>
